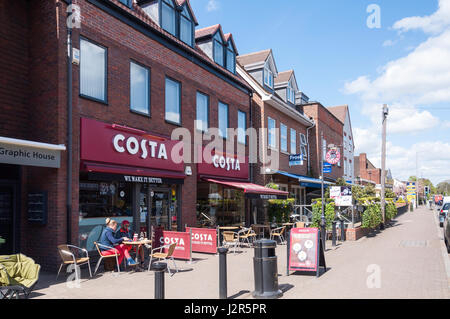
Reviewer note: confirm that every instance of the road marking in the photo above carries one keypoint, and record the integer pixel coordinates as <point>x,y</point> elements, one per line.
<point>445,255</point>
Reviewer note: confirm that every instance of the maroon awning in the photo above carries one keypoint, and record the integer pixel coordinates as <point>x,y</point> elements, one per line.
<point>250,189</point>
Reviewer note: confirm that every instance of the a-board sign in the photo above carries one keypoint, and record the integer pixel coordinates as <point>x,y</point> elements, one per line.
<point>204,240</point>
<point>305,251</point>
<point>183,241</point>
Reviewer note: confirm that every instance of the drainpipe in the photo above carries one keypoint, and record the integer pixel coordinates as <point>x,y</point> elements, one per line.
<point>250,100</point>
<point>69,128</point>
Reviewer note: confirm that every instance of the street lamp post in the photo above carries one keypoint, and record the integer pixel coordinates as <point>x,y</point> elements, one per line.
<point>383,163</point>
<point>322,220</point>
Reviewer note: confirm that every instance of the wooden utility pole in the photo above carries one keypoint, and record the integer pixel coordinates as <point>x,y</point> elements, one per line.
<point>383,163</point>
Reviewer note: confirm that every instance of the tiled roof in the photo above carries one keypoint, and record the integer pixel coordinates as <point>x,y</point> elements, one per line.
<point>284,76</point>
<point>181,2</point>
<point>140,14</point>
<point>208,31</point>
<point>255,57</point>
<point>339,111</point>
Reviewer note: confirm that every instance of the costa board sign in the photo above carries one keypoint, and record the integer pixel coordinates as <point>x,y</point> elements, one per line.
<point>116,144</point>
<point>333,156</point>
<point>204,240</point>
<point>223,165</point>
<point>183,241</point>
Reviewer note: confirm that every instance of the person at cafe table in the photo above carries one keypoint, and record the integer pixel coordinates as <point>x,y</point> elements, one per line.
<point>125,231</point>
<point>108,239</point>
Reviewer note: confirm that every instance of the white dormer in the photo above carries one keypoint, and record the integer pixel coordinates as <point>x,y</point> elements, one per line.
<point>270,72</point>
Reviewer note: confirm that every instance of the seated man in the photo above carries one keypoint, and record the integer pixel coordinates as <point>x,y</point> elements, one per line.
<point>125,231</point>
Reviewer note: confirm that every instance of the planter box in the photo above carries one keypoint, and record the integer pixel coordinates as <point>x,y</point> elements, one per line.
<point>353,234</point>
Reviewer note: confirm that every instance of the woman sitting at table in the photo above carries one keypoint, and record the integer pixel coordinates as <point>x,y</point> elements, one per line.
<point>107,238</point>
<point>125,231</point>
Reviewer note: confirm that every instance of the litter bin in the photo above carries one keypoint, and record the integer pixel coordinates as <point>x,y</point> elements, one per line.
<point>265,270</point>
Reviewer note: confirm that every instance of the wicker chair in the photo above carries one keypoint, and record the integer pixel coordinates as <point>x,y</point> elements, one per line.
<point>163,256</point>
<point>230,238</point>
<point>70,256</point>
<point>278,232</point>
<point>116,255</point>
<point>246,234</point>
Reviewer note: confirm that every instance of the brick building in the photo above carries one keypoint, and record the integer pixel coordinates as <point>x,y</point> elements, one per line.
<point>365,172</point>
<point>137,75</point>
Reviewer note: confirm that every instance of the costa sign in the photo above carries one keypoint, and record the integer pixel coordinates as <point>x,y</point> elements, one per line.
<point>333,156</point>
<point>183,241</point>
<point>109,143</point>
<point>226,162</point>
<point>223,165</point>
<point>204,240</point>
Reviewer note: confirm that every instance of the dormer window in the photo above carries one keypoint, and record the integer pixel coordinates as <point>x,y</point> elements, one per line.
<point>218,50</point>
<point>186,27</point>
<point>290,93</point>
<point>128,3</point>
<point>168,19</point>
<point>268,75</point>
<point>231,58</point>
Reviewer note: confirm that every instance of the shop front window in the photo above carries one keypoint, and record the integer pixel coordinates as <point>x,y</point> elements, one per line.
<point>219,206</point>
<point>98,201</point>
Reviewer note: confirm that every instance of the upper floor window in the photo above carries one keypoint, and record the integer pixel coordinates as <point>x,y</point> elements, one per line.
<point>268,76</point>
<point>173,101</point>
<point>293,141</point>
<point>231,58</point>
<point>186,27</point>
<point>223,120</point>
<point>93,78</point>
<point>218,50</point>
<point>139,88</point>
<point>302,139</point>
<point>202,112</point>
<point>128,3</point>
<point>290,93</point>
<point>283,134</point>
<point>271,132</point>
<point>242,126</point>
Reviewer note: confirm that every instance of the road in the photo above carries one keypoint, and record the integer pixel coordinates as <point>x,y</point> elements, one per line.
<point>406,260</point>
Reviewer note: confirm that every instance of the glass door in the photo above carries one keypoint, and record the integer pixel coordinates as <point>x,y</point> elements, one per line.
<point>6,219</point>
<point>161,213</point>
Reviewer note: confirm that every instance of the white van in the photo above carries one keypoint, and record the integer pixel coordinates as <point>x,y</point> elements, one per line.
<point>446,199</point>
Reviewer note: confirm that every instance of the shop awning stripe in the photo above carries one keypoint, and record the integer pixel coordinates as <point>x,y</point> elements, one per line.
<point>304,179</point>
<point>249,188</point>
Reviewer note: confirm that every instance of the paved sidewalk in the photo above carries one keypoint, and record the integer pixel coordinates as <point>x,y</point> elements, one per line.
<point>409,255</point>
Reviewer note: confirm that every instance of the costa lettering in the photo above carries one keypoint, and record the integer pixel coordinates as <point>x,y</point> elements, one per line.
<point>144,147</point>
<point>227,163</point>
<point>173,240</point>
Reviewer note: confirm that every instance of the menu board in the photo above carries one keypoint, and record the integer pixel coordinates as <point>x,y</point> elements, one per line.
<point>304,250</point>
<point>37,207</point>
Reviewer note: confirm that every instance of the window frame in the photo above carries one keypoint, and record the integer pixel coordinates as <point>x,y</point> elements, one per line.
<point>171,5</point>
<point>179,102</point>
<point>149,89</point>
<point>269,74</point>
<point>228,119</point>
<point>294,131</point>
<point>189,18</point>
<point>217,43</point>
<point>303,137</point>
<point>290,91</point>
<point>229,49</point>
<point>129,3</point>
<point>207,111</point>
<point>105,101</point>
<point>269,119</point>
<point>245,128</point>
<point>281,138</point>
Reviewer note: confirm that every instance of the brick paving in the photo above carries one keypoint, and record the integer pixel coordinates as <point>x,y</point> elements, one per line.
<point>409,255</point>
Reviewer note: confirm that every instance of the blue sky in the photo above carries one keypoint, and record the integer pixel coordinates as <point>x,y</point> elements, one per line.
<point>339,60</point>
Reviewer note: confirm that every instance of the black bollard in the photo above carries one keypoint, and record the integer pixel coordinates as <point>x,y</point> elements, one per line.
<point>160,269</point>
<point>323,234</point>
<point>333,234</point>
<point>223,272</point>
<point>342,230</point>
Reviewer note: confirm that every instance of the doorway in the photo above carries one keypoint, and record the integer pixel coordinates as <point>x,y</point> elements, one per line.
<point>8,193</point>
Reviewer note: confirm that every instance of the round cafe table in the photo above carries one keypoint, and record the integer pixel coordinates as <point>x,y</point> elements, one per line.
<point>138,244</point>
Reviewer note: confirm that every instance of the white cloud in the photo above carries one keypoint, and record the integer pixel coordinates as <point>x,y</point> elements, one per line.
<point>213,5</point>
<point>434,23</point>
<point>389,43</point>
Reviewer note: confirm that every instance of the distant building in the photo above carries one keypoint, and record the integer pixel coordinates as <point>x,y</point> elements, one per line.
<point>365,172</point>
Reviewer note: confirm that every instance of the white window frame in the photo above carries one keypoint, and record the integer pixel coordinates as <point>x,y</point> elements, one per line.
<point>283,149</point>
<point>271,135</point>
<point>241,130</point>
<point>293,133</point>
<point>268,75</point>
<point>290,93</point>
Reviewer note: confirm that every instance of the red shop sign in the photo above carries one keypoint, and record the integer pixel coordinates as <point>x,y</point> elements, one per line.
<point>204,240</point>
<point>111,143</point>
<point>183,241</point>
<point>223,165</point>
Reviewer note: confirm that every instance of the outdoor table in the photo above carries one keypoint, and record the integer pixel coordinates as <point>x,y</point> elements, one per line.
<point>138,244</point>
<point>288,225</point>
<point>261,229</point>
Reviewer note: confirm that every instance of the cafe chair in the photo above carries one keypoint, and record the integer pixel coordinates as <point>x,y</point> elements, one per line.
<point>278,232</point>
<point>230,238</point>
<point>102,256</point>
<point>71,255</point>
<point>246,234</point>
<point>300,225</point>
<point>161,256</point>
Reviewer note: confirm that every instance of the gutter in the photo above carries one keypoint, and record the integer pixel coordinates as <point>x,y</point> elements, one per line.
<point>69,129</point>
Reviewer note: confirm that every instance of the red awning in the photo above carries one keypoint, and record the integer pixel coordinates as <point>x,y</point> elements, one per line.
<point>129,170</point>
<point>252,189</point>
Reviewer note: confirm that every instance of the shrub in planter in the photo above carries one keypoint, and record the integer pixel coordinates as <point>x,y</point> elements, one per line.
<point>372,217</point>
<point>391,211</point>
<point>279,210</point>
<point>330,214</point>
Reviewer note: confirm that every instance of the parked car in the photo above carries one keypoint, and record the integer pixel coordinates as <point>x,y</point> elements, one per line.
<point>443,213</point>
<point>447,233</point>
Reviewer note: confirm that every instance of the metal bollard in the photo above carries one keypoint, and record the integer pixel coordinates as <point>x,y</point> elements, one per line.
<point>342,230</point>
<point>333,234</point>
<point>223,272</point>
<point>265,270</point>
<point>323,234</point>
<point>160,269</point>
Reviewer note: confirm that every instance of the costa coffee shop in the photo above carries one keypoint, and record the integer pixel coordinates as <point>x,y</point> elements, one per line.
<point>225,196</point>
<point>127,174</point>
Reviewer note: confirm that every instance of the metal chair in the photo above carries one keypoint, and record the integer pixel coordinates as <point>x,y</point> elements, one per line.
<point>116,255</point>
<point>246,234</point>
<point>278,232</point>
<point>230,238</point>
<point>68,257</point>
<point>163,256</point>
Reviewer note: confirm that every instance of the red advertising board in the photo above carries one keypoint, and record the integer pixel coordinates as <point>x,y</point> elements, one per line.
<point>222,165</point>
<point>204,240</point>
<point>116,144</point>
<point>183,241</point>
<point>303,249</point>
